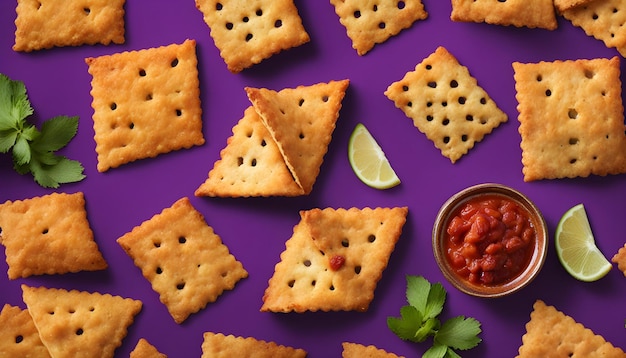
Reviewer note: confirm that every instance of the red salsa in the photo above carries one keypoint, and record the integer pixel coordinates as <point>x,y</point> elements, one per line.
<point>490,240</point>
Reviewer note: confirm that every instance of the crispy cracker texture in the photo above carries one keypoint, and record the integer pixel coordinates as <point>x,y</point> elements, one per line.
<point>187,285</point>
<point>140,98</point>
<point>369,23</point>
<point>16,322</point>
<point>49,234</point>
<point>355,350</point>
<point>247,32</point>
<point>218,345</point>
<point>43,24</point>
<point>620,259</point>
<point>519,13</point>
<point>446,104</point>
<point>571,118</point>
<point>551,333</point>
<point>563,5</point>
<point>78,323</point>
<point>144,349</point>
<point>308,278</point>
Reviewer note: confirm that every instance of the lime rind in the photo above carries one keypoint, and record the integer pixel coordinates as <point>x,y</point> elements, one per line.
<point>375,173</point>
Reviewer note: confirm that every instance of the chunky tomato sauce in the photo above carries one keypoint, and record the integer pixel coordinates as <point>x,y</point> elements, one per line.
<point>490,240</point>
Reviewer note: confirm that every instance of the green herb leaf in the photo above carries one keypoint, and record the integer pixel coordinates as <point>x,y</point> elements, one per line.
<point>21,151</point>
<point>459,333</point>
<point>14,104</point>
<point>51,176</point>
<point>436,351</point>
<point>56,133</point>
<point>407,326</point>
<point>7,139</point>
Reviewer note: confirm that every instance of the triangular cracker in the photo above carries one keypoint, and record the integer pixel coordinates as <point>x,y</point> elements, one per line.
<point>301,120</point>
<point>551,333</point>
<point>49,234</point>
<point>218,345</point>
<point>446,104</point>
<point>519,13</point>
<point>80,324</point>
<point>370,23</point>
<point>250,165</point>
<point>183,258</point>
<point>355,350</point>
<point>334,260</point>
<point>144,349</point>
<point>18,335</point>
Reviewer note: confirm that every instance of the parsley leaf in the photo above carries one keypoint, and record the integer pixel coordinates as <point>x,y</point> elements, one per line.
<point>33,150</point>
<point>419,320</point>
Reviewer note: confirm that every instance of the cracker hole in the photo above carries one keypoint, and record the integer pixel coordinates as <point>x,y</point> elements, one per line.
<point>429,104</point>
<point>182,240</point>
<point>446,140</point>
<point>324,98</point>
<point>572,161</point>
<point>357,269</point>
<point>462,100</point>
<point>444,104</point>
<point>91,309</point>
<point>595,16</point>
<point>174,62</point>
<point>157,244</point>
<point>219,6</point>
<point>429,118</point>
<point>345,243</point>
<point>253,163</point>
<point>87,10</point>
<point>263,143</point>
<point>229,26</point>
<point>539,78</point>
<point>357,14</point>
<point>454,84</point>
<point>113,106</point>
<point>332,287</point>
<point>429,67</point>
<point>572,113</point>
<point>371,238</point>
<point>301,135</point>
<point>410,104</point>
<point>589,73</point>
<point>573,141</point>
<point>278,23</point>
<point>142,72</point>
<point>291,283</point>
<point>401,5</point>
<point>159,270</point>
<point>45,231</point>
<point>240,161</point>
<point>464,138</point>
<point>432,84</point>
<point>301,102</point>
<point>178,112</point>
<point>131,125</point>
<point>149,97</point>
<point>180,286</point>
<point>469,118</point>
<point>51,313</point>
<point>483,100</point>
<point>381,25</point>
<point>548,93</point>
<point>313,283</point>
<point>79,332</point>
<point>445,122</point>
<point>245,19</point>
<point>19,339</point>
<point>375,8</point>
<point>405,88</point>
<point>307,263</point>
<point>259,12</point>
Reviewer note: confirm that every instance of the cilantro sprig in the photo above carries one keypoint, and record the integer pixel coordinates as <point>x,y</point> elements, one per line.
<point>419,320</point>
<point>33,149</point>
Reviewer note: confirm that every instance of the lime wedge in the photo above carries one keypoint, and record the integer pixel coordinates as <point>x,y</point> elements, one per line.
<point>576,247</point>
<point>369,161</point>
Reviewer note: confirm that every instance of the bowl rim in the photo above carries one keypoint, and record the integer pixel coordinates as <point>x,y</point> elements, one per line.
<point>526,276</point>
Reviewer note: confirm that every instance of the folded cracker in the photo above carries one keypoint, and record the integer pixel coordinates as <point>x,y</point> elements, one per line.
<point>49,234</point>
<point>301,120</point>
<point>144,349</point>
<point>602,20</point>
<point>446,104</point>
<point>620,259</point>
<point>307,278</point>
<point>250,165</point>
<point>519,13</point>
<point>247,32</point>
<point>80,324</point>
<point>43,24</point>
<point>571,118</point>
<point>183,258</point>
<point>372,22</point>
<point>562,5</point>
<point>18,335</point>
<point>218,345</point>
<point>355,350</point>
<point>551,333</point>
<point>145,103</point>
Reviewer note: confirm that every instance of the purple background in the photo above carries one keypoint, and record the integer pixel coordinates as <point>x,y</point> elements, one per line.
<point>255,229</point>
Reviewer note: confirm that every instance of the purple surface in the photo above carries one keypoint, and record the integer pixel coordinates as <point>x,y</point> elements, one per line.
<point>255,229</point>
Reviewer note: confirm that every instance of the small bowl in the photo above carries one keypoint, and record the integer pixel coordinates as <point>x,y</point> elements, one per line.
<point>539,246</point>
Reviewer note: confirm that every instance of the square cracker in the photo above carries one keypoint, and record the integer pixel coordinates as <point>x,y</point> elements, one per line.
<point>250,165</point>
<point>446,104</point>
<point>620,259</point>
<point>183,258</point>
<point>247,32</point>
<point>18,335</point>
<point>48,234</point>
<point>218,345</point>
<point>140,98</point>
<point>372,22</point>
<point>78,323</point>
<point>334,260</point>
<point>144,349</point>
<point>602,20</point>
<point>519,13</point>
<point>571,118</point>
<point>551,333</point>
<point>355,350</point>
<point>43,24</point>
<point>301,120</point>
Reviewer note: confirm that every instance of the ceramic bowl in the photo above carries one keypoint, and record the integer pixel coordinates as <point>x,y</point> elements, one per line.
<point>539,245</point>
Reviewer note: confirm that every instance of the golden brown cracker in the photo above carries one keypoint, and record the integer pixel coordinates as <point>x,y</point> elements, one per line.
<point>49,234</point>
<point>18,335</point>
<point>218,345</point>
<point>355,350</point>
<point>519,13</point>
<point>602,20</point>
<point>446,104</point>
<point>562,5</point>
<point>43,24</point>
<point>158,247</point>
<point>145,102</point>
<point>334,260</point>
<point>144,349</point>
<point>247,32</point>
<point>551,333</point>
<point>620,259</point>
<point>571,118</point>
<point>78,323</point>
<point>250,165</point>
<point>301,120</point>
<point>369,23</point>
